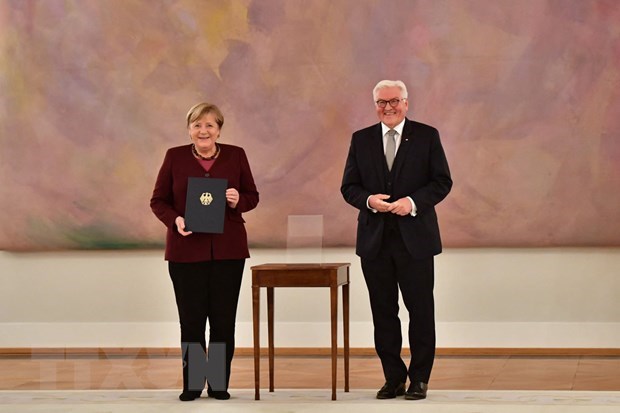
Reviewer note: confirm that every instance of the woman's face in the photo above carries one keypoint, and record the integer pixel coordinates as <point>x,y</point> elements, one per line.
<point>204,132</point>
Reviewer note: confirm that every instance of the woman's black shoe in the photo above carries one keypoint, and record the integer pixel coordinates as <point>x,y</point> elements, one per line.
<point>219,395</point>
<point>188,395</point>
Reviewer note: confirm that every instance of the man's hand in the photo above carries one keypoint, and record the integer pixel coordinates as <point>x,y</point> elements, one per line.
<point>377,202</point>
<point>401,207</point>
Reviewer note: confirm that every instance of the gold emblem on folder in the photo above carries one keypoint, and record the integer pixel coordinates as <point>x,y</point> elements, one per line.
<point>206,198</point>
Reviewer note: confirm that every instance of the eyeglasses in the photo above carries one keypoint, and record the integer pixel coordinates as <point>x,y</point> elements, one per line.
<point>393,102</point>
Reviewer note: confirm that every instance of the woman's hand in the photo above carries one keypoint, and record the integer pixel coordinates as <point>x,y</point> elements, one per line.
<point>180,222</point>
<point>232,197</point>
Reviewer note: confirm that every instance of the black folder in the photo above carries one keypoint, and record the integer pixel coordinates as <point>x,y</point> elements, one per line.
<point>205,205</point>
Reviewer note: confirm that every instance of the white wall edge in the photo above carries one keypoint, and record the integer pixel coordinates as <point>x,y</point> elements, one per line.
<point>313,334</point>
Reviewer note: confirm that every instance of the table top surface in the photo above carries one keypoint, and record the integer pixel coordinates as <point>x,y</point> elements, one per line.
<point>299,266</point>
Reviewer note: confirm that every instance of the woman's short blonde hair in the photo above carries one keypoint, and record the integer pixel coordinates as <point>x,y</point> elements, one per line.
<point>200,109</point>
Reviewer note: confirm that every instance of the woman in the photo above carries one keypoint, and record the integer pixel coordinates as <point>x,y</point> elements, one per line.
<point>205,269</point>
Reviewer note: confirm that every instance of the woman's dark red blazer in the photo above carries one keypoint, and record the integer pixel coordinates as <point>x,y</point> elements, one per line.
<point>168,202</point>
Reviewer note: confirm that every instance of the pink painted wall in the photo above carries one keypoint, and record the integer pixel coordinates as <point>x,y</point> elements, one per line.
<point>526,96</point>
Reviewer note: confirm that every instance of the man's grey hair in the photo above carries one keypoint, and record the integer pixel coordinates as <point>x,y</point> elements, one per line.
<point>390,83</point>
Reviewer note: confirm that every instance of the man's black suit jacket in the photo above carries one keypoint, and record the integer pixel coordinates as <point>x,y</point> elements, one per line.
<point>420,170</point>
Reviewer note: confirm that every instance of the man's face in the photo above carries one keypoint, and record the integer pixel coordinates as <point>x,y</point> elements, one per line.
<point>389,115</point>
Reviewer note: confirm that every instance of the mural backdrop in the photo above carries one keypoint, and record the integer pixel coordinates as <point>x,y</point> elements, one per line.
<point>526,96</point>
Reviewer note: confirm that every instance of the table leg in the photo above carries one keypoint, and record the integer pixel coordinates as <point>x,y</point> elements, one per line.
<point>345,322</point>
<point>334,317</point>
<point>256,325</point>
<point>270,336</point>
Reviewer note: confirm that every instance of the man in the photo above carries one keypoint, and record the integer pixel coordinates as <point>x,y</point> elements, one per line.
<point>395,174</point>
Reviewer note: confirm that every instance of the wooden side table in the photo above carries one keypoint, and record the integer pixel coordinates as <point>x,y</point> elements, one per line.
<point>301,275</point>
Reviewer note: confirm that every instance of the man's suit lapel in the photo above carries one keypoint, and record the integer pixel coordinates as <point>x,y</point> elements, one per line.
<point>405,145</point>
<point>376,151</point>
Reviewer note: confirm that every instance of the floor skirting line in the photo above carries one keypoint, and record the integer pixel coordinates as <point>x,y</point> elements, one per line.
<point>300,351</point>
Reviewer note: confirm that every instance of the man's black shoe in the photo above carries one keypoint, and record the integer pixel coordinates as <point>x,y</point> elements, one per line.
<point>391,390</point>
<point>416,391</point>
